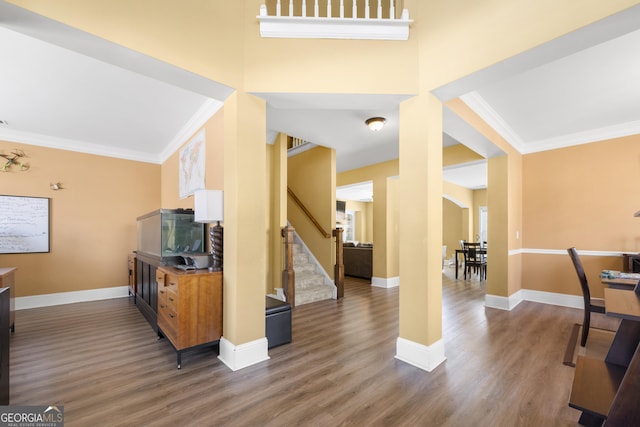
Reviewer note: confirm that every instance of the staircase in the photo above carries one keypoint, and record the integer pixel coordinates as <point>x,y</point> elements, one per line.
<point>310,285</point>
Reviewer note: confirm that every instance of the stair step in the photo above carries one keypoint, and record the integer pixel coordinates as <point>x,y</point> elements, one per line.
<point>313,294</point>
<point>308,279</point>
<point>300,258</point>
<point>304,268</point>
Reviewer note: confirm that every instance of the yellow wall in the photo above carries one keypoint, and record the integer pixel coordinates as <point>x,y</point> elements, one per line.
<point>93,219</point>
<point>219,39</point>
<point>451,226</point>
<point>457,154</point>
<point>277,210</point>
<point>312,177</point>
<point>364,220</point>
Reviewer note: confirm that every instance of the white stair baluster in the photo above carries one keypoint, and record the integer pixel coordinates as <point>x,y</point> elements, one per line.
<point>278,8</point>
<point>354,9</point>
<point>328,8</point>
<point>304,8</point>
<point>341,8</point>
<point>315,9</point>
<point>392,10</point>
<point>379,11</point>
<point>367,9</point>
<point>290,7</point>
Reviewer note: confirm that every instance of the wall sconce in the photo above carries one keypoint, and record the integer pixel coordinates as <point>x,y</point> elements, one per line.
<point>375,123</point>
<point>55,186</point>
<point>209,209</point>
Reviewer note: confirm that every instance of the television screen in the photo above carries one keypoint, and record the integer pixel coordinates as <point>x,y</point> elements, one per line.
<point>341,206</point>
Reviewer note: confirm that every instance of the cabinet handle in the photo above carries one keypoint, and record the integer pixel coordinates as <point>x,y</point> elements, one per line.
<point>171,315</point>
<point>170,299</point>
<point>162,306</point>
<point>162,292</point>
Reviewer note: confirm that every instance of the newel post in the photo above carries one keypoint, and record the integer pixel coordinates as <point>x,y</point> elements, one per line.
<point>288,274</point>
<point>338,271</point>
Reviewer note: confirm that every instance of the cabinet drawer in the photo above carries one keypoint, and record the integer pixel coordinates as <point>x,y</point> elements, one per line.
<point>171,283</point>
<point>168,322</point>
<point>160,277</point>
<point>172,299</point>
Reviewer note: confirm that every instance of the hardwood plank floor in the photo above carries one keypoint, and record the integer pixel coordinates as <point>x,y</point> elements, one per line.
<point>102,361</point>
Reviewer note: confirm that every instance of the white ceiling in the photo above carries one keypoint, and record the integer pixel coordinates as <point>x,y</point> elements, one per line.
<point>63,88</point>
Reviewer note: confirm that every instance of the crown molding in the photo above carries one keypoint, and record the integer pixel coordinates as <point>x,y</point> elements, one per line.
<point>493,119</point>
<point>204,113</point>
<point>40,140</point>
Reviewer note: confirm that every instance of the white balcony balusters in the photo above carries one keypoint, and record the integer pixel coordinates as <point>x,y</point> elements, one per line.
<point>334,27</point>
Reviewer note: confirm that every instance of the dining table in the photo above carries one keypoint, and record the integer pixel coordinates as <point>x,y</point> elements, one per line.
<point>481,251</point>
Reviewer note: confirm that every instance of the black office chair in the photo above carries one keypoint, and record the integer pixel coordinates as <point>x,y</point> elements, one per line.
<point>591,305</point>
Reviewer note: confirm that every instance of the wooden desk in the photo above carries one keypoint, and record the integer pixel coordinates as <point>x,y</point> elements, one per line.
<point>626,284</point>
<point>481,251</point>
<point>608,389</point>
<point>8,280</point>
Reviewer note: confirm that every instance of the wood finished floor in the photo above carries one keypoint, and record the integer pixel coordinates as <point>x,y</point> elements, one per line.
<point>101,360</point>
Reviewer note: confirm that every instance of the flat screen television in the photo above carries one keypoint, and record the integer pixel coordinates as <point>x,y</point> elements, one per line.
<point>341,207</point>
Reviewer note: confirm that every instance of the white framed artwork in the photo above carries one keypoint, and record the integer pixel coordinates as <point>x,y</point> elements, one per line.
<point>192,165</point>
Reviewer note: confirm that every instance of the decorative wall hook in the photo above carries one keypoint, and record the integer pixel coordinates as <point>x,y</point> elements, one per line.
<point>56,186</point>
<point>14,159</point>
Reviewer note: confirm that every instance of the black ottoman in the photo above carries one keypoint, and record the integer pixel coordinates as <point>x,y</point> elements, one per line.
<point>278,322</point>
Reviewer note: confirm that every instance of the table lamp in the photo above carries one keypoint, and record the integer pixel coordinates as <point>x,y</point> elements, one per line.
<point>209,209</point>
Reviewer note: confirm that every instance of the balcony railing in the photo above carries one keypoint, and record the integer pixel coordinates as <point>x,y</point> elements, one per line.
<point>372,23</point>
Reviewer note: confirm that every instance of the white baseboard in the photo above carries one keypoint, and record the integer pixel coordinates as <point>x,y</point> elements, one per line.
<point>564,300</point>
<point>243,355</point>
<point>389,282</point>
<point>503,303</point>
<point>419,355</point>
<point>46,300</point>
<point>509,303</point>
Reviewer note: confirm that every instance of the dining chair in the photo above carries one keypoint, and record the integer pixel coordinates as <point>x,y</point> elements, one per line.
<point>474,260</point>
<point>591,305</point>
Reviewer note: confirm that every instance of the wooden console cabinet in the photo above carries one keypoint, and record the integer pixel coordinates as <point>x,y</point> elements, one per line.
<point>189,308</point>
<point>146,288</point>
<point>8,280</point>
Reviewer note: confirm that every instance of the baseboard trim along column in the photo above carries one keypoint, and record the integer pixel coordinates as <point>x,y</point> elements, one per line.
<point>388,282</point>
<point>241,356</point>
<point>419,355</point>
<point>503,303</point>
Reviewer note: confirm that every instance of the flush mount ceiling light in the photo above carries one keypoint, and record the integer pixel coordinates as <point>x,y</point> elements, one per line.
<point>375,123</point>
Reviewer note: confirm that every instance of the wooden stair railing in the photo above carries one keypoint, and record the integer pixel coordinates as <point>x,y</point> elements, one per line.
<point>288,274</point>
<point>309,215</point>
<point>338,270</point>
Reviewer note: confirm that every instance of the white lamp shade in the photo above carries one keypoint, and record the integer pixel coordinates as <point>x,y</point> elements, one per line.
<point>209,205</point>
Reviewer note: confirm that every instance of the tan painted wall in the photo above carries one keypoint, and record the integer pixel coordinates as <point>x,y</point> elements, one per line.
<point>214,165</point>
<point>277,214</point>
<point>93,219</point>
<point>364,220</point>
<point>457,154</point>
<point>393,230</point>
<point>384,213</point>
<point>451,226</point>
<point>583,196</point>
<point>312,177</point>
